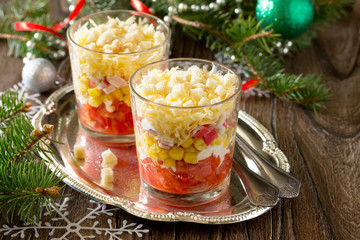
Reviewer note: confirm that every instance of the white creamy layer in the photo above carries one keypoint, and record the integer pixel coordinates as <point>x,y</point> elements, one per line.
<point>216,150</point>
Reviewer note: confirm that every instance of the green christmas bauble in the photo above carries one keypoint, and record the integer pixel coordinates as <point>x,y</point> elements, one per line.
<point>290,18</point>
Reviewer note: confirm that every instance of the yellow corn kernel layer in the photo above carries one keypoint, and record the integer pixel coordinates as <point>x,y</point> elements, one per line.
<point>188,151</point>
<point>177,153</point>
<point>96,97</point>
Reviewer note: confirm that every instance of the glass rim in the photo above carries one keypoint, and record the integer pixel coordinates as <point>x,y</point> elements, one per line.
<point>131,12</point>
<point>234,95</point>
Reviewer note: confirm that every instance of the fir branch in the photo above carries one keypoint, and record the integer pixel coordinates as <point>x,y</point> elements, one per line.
<point>17,142</point>
<point>13,36</point>
<point>255,73</point>
<point>26,188</point>
<point>27,185</point>
<point>258,35</point>
<point>92,3</point>
<point>24,10</point>
<point>36,137</point>
<point>11,105</point>
<point>246,40</point>
<point>198,24</point>
<point>92,6</point>
<point>305,90</point>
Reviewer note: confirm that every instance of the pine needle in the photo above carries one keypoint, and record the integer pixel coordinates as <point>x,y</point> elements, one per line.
<point>18,195</point>
<point>240,35</point>
<point>27,185</point>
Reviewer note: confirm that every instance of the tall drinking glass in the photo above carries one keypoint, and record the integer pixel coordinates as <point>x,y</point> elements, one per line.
<point>106,48</point>
<point>185,115</point>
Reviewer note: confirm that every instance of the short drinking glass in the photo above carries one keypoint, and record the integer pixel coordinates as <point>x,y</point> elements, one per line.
<point>106,48</point>
<point>185,115</point>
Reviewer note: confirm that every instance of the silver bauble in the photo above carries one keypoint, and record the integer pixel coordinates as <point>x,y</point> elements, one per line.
<point>39,75</point>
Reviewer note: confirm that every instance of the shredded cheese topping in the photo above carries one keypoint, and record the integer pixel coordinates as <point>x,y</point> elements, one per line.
<point>192,88</point>
<point>102,56</point>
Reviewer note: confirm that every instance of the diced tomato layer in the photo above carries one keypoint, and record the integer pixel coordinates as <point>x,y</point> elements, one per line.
<point>188,178</point>
<point>100,120</point>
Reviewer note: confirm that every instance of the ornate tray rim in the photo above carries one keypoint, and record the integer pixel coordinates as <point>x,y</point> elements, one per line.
<point>269,146</point>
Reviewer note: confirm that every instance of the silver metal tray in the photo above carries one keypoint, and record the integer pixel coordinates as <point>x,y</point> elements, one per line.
<point>234,206</point>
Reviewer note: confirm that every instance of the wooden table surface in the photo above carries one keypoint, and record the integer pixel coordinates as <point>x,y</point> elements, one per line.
<point>323,150</point>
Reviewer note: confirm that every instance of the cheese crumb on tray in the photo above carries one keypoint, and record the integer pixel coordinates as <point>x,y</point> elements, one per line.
<point>107,177</point>
<point>109,159</point>
<point>79,151</point>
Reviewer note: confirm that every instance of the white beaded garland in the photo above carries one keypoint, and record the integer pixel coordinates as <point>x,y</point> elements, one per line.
<point>29,55</point>
<point>37,36</point>
<point>71,8</point>
<point>213,6</point>
<point>204,7</point>
<point>195,8</point>
<point>61,53</point>
<point>171,10</point>
<point>167,19</point>
<point>30,44</point>
<point>182,7</point>
<point>237,10</point>
<point>25,60</point>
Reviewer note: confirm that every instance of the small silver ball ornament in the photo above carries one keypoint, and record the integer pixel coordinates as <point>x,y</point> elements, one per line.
<point>39,75</point>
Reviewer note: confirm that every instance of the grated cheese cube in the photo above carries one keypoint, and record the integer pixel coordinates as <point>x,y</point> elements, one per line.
<point>203,101</point>
<point>109,159</point>
<point>79,151</point>
<point>105,38</point>
<point>107,177</point>
<point>220,90</point>
<point>229,80</point>
<point>211,83</point>
<point>178,77</point>
<point>189,103</point>
<point>178,91</point>
<point>197,93</point>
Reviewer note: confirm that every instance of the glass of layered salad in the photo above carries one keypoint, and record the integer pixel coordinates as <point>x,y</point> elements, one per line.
<point>106,48</point>
<point>185,114</point>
